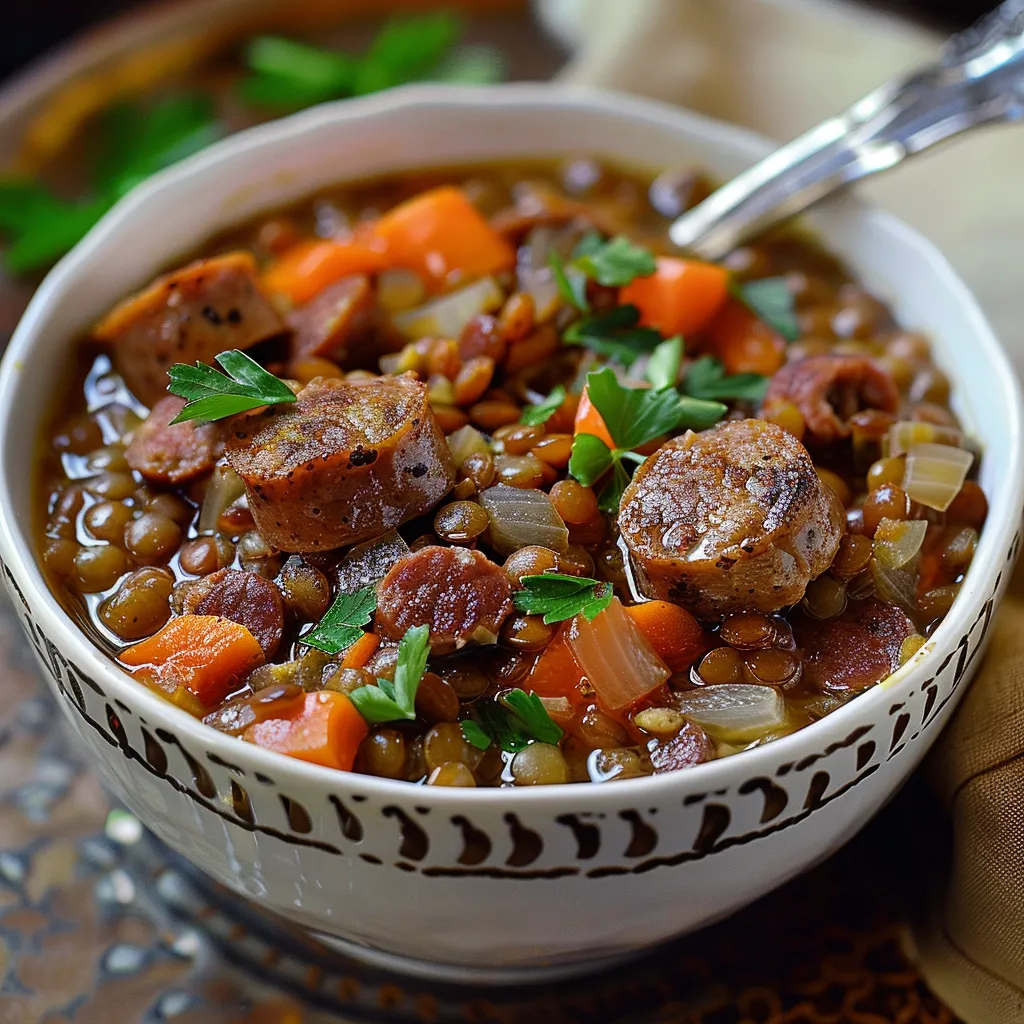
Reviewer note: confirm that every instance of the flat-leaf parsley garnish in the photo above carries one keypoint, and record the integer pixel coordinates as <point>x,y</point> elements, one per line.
<point>615,334</point>
<point>342,624</point>
<point>614,264</point>
<point>535,415</point>
<point>633,417</point>
<point>771,300</point>
<point>665,362</point>
<point>558,597</point>
<point>511,722</point>
<point>706,379</point>
<point>213,396</point>
<point>391,701</point>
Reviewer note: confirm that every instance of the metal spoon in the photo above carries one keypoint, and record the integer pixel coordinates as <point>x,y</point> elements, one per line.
<point>977,80</point>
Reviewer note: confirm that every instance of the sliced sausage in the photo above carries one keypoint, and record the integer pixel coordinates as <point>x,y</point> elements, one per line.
<point>328,324</point>
<point>346,462</point>
<point>731,519</point>
<point>459,593</point>
<point>167,453</point>
<point>830,390</point>
<point>244,597</point>
<point>192,314</point>
<point>854,650</point>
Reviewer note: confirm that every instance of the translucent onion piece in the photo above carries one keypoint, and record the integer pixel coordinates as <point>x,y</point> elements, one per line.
<point>897,586</point>
<point>533,271</point>
<point>466,441</point>
<point>905,434</point>
<point>897,542</point>
<point>935,473</point>
<point>735,711</point>
<point>559,709</point>
<point>370,562</point>
<point>616,657</point>
<point>521,516</point>
<point>399,289</point>
<point>445,317</point>
<point>222,489</point>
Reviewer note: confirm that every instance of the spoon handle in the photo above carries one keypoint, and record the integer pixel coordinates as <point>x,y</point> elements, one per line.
<point>978,79</point>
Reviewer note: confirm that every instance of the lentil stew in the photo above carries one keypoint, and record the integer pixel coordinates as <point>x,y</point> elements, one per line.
<point>464,478</point>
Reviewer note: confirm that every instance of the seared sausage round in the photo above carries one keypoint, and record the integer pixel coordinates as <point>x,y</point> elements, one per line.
<point>731,519</point>
<point>327,325</point>
<point>175,453</point>
<point>459,593</point>
<point>830,389</point>
<point>346,462</point>
<point>208,307</point>
<point>854,650</point>
<point>244,597</point>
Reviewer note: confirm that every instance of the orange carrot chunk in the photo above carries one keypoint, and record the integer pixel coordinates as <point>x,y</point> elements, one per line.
<point>675,635</point>
<point>361,651</point>
<point>326,730</point>
<point>440,232</point>
<point>307,268</point>
<point>207,655</point>
<point>556,672</point>
<point>680,297</point>
<point>744,343</point>
<point>589,421</point>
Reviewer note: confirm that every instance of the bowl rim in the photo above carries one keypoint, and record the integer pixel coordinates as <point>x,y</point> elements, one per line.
<point>23,564</point>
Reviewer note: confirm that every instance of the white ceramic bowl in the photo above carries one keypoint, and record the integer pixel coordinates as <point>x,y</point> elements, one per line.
<point>479,882</point>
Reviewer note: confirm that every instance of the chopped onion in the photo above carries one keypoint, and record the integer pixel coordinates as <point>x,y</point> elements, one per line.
<point>897,542</point>
<point>399,289</point>
<point>466,441</point>
<point>370,562</point>
<point>222,489</point>
<point>445,317</point>
<point>534,275</point>
<point>616,657</point>
<point>897,586</point>
<point>521,516</point>
<point>559,709</point>
<point>935,473</point>
<point>735,711</point>
<point>906,433</point>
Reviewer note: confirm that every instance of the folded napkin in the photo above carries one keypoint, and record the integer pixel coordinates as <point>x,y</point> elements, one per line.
<point>780,67</point>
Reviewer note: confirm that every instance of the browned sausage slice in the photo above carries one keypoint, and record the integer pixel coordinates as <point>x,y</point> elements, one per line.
<point>732,519</point>
<point>346,462</point>
<point>854,650</point>
<point>327,324</point>
<point>169,453</point>
<point>829,390</point>
<point>460,594</point>
<point>192,314</point>
<point>243,597</point>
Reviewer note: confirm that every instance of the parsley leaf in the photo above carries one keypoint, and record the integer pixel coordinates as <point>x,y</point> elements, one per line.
<point>535,415</point>
<point>665,362</point>
<point>532,716</point>
<point>495,722</point>
<point>342,624</point>
<point>589,459</point>
<point>771,301</point>
<point>388,701</point>
<point>615,263</point>
<point>706,379</point>
<point>472,64</point>
<point>615,334</point>
<point>290,74</point>
<point>213,396</point>
<point>475,735</point>
<point>558,597</point>
<point>406,49</point>
<point>571,283</point>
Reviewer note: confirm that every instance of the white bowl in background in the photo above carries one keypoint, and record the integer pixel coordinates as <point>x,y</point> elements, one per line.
<point>480,883</point>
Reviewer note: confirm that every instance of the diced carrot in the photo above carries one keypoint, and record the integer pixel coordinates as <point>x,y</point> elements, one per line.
<point>675,635</point>
<point>556,672</point>
<point>441,231</point>
<point>307,268</point>
<point>744,343</point>
<point>680,297</point>
<point>589,421</point>
<point>206,654</point>
<point>361,651</point>
<point>326,730</point>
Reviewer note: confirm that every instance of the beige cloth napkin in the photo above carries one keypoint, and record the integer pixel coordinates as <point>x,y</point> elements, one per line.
<point>779,67</point>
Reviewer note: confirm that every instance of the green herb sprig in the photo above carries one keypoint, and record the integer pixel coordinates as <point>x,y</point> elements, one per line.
<point>614,264</point>
<point>616,335</point>
<point>771,300</point>
<point>706,379</point>
<point>535,415</point>
<point>392,701</point>
<point>558,597</point>
<point>511,722</point>
<point>342,624</point>
<point>633,416</point>
<point>213,396</point>
<point>665,363</point>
